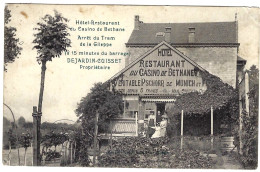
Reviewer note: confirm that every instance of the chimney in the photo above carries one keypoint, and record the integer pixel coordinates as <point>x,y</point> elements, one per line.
<point>167,36</point>
<point>191,35</point>
<point>137,23</point>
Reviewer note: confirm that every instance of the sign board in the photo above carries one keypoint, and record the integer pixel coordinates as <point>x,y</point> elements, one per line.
<point>163,71</point>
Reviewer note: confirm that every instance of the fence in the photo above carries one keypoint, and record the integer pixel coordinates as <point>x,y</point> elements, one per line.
<point>68,153</point>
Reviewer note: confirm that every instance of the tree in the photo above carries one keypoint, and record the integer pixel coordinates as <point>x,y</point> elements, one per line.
<point>6,124</point>
<point>11,143</point>
<point>11,48</point>
<point>108,104</point>
<point>103,101</point>
<point>46,142</point>
<point>6,127</point>
<point>51,41</point>
<point>25,141</point>
<point>28,125</point>
<point>11,138</point>
<point>250,122</point>
<point>21,121</point>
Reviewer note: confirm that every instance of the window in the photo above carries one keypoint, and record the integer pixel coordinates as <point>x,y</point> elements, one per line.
<point>131,108</point>
<point>149,108</point>
<point>191,35</point>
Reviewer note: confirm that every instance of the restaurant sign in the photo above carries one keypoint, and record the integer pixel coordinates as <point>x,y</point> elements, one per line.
<point>162,71</point>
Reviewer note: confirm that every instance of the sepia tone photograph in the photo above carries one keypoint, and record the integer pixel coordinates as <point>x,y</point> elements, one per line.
<point>125,86</point>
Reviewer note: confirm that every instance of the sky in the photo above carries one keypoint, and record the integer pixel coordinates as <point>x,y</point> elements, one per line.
<point>66,83</point>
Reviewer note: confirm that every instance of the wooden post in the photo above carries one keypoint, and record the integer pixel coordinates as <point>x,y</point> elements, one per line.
<point>32,151</point>
<point>136,125</point>
<point>246,92</point>
<point>111,130</point>
<point>74,153</point>
<point>211,126</point>
<point>124,106</point>
<point>240,132</point>
<point>9,154</point>
<point>95,139</point>
<point>71,152</point>
<point>36,137</point>
<point>65,154</point>
<point>181,129</point>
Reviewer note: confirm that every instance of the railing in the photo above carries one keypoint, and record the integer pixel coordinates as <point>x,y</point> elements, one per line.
<point>122,127</point>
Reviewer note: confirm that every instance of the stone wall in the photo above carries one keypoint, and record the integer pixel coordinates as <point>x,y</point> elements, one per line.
<point>135,52</point>
<point>219,61</point>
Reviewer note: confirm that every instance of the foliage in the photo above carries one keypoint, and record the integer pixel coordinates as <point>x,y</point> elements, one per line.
<point>77,138</point>
<point>221,96</point>
<point>108,104</point>
<point>25,140</point>
<point>51,38</point>
<point>46,141</point>
<point>103,101</point>
<point>11,138</point>
<point>249,139</point>
<point>54,139</point>
<point>28,125</point>
<point>249,154</point>
<point>83,153</point>
<point>58,126</point>
<point>217,95</point>
<point>253,94</point>
<point>11,48</point>
<point>151,153</point>
<point>51,41</point>
<point>6,123</point>
<point>21,121</point>
<point>50,155</point>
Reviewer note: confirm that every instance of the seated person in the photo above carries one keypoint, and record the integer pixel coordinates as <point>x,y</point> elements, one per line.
<point>160,131</point>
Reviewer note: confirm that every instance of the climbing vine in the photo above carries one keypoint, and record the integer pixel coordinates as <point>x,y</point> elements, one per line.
<point>217,95</point>
<point>221,96</point>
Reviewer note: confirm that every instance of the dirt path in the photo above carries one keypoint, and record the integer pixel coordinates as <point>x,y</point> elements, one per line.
<point>227,162</point>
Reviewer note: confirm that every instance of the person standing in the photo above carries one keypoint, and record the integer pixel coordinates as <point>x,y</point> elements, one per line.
<point>159,117</point>
<point>163,125</point>
<point>151,124</point>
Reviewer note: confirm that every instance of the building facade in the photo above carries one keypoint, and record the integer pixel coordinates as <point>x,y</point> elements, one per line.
<point>165,61</point>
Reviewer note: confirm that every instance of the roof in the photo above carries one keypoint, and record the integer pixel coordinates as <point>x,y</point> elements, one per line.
<point>149,52</point>
<point>205,33</point>
<point>240,59</point>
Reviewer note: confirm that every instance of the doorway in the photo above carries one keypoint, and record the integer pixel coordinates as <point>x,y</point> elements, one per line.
<point>159,107</point>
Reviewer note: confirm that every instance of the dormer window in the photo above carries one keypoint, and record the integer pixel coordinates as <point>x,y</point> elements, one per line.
<point>160,34</point>
<point>191,35</point>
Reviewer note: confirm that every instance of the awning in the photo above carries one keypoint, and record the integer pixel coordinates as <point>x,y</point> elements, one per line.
<point>169,100</point>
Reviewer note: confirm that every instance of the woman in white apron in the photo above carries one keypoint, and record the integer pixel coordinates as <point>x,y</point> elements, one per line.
<point>160,131</point>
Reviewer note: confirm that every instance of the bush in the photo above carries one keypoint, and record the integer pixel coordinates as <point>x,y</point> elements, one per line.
<point>151,153</point>
<point>52,155</point>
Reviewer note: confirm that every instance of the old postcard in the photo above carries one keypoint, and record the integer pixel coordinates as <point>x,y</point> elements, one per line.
<point>131,86</point>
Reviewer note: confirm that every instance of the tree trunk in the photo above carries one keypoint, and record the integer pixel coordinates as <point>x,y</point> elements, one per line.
<point>95,139</point>
<point>40,111</point>
<point>42,86</point>
<point>25,151</point>
<point>75,150</point>
<point>9,154</point>
<point>43,149</point>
